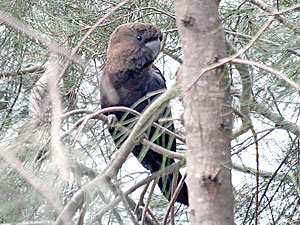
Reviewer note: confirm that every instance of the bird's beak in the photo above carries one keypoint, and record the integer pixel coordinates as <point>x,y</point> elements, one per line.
<point>154,46</point>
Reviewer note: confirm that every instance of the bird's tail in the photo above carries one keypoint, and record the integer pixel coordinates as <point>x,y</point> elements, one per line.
<point>165,185</point>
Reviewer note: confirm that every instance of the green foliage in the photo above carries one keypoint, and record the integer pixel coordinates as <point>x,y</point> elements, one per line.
<point>89,149</point>
<point>278,48</point>
<point>65,23</point>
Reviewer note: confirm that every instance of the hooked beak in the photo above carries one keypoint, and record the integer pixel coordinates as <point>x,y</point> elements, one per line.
<point>154,46</point>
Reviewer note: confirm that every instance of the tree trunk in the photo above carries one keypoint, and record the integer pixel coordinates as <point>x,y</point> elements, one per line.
<point>207,112</point>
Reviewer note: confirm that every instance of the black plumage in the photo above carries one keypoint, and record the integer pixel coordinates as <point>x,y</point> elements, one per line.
<point>130,76</point>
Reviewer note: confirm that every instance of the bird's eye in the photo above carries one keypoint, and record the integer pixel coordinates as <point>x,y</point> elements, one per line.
<point>139,37</point>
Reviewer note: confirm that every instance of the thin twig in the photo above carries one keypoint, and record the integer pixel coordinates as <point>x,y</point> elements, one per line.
<point>173,199</point>
<point>10,108</point>
<point>100,25</point>
<point>148,200</point>
<point>253,171</point>
<point>115,4</point>
<point>99,115</point>
<point>74,51</point>
<point>167,170</point>
<point>160,11</point>
<point>38,37</point>
<point>280,46</point>
<point>261,4</point>
<point>153,217</point>
<point>96,115</point>
<point>293,7</point>
<point>256,175</point>
<point>234,56</point>
<point>278,120</point>
<point>174,183</point>
<point>245,97</point>
<point>273,177</point>
<point>141,199</point>
<point>126,204</point>
<point>269,69</point>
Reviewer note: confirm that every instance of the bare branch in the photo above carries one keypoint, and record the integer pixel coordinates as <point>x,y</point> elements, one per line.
<point>278,120</point>
<point>288,9</point>
<point>161,11</point>
<point>245,97</point>
<point>273,11</point>
<point>173,199</point>
<point>269,69</point>
<point>99,115</point>
<point>127,206</point>
<point>163,151</point>
<point>56,105</point>
<point>167,170</point>
<point>95,185</point>
<point>230,58</point>
<point>280,46</point>
<point>31,68</point>
<point>252,171</point>
<point>146,206</point>
<point>115,4</point>
<point>113,168</point>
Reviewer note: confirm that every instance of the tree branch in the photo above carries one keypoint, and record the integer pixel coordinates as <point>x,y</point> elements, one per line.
<point>167,170</point>
<point>245,97</point>
<point>278,120</point>
<point>252,171</point>
<point>288,9</point>
<point>36,36</point>
<point>56,105</point>
<point>113,168</point>
<point>74,50</point>
<point>234,56</point>
<point>273,11</point>
<point>280,46</point>
<point>269,69</point>
<point>99,115</point>
<point>31,68</point>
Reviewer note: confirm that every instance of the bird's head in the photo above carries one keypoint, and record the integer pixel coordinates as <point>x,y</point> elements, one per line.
<point>134,45</point>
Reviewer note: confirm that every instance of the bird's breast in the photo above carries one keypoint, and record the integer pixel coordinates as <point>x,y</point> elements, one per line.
<point>129,97</point>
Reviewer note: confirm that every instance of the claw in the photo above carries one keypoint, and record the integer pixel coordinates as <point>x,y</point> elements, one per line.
<point>111,120</point>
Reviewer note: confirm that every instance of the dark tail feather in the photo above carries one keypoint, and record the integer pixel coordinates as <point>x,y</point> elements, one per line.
<point>165,185</point>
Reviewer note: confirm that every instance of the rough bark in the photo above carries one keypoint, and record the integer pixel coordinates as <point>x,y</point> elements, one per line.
<point>207,114</point>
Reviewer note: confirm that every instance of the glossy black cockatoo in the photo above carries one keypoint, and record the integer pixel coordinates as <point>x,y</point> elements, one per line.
<point>130,76</point>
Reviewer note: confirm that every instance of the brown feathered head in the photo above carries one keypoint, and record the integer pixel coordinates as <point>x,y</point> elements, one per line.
<point>134,45</point>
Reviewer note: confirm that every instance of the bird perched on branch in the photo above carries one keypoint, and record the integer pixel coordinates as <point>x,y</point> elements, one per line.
<point>129,77</point>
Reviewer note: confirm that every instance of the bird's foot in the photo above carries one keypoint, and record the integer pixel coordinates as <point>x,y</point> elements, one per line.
<point>112,120</point>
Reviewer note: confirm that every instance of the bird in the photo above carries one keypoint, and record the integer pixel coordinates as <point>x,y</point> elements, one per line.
<point>128,79</point>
